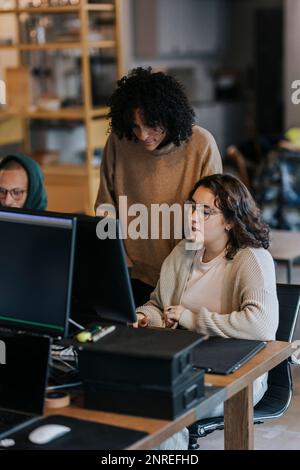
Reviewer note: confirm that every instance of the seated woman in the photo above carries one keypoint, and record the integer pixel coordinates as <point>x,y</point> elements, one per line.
<point>22,183</point>
<point>226,288</point>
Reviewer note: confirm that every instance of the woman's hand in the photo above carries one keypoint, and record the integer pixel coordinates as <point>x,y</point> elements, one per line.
<point>142,321</point>
<point>171,315</point>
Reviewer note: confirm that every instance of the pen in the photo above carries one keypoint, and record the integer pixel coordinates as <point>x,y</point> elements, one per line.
<point>103,332</point>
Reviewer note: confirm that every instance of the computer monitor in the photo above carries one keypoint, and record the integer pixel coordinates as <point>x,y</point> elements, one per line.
<point>24,374</point>
<point>36,271</point>
<point>101,284</point>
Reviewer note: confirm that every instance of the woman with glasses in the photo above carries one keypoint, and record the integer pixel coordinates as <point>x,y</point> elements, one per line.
<point>22,183</point>
<point>226,287</point>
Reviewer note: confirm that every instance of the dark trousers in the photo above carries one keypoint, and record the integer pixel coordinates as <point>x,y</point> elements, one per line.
<point>141,292</point>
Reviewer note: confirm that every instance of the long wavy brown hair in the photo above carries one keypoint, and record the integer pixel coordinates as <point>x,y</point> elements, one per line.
<point>239,209</point>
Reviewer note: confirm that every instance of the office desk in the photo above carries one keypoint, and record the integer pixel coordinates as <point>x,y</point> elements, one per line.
<point>235,390</point>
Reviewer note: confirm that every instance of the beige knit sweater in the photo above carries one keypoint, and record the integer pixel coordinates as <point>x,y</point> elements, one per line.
<point>248,297</point>
<point>165,175</point>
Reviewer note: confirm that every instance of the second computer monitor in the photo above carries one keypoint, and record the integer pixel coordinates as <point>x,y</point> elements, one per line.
<point>101,284</point>
<point>36,271</point>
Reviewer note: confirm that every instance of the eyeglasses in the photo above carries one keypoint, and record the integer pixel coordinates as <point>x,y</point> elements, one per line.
<point>15,193</point>
<point>206,211</point>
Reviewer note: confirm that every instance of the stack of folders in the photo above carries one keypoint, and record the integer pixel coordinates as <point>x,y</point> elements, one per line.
<point>146,372</point>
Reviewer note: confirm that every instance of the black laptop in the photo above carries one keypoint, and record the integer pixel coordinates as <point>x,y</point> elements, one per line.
<point>224,355</point>
<point>23,379</point>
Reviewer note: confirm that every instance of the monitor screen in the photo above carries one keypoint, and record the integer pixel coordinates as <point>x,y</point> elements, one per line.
<point>101,284</point>
<point>24,374</point>
<point>36,271</point>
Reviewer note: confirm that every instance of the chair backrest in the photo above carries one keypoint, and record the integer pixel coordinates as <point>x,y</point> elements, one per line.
<point>280,388</point>
<point>278,396</point>
<point>289,307</point>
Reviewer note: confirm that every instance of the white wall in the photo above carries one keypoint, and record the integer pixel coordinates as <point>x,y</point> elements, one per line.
<point>292,60</point>
<point>195,68</point>
<point>209,42</point>
<point>166,10</point>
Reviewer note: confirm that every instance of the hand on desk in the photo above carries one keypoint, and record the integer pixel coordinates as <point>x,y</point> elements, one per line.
<point>171,315</point>
<point>142,321</point>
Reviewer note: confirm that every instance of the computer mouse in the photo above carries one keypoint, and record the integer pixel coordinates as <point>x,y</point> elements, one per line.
<point>47,433</point>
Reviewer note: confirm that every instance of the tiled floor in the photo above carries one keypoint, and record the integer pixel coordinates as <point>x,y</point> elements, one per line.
<point>282,433</point>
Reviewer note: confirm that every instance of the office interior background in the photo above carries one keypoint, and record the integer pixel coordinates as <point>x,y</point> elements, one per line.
<point>239,63</point>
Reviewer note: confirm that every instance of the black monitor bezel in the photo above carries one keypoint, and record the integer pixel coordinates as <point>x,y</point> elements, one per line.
<point>16,326</point>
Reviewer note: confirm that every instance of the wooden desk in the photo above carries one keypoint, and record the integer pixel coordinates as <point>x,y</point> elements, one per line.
<point>158,429</point>
<point>285,247</point>
<point>238,408</point>
<point>236,391</point>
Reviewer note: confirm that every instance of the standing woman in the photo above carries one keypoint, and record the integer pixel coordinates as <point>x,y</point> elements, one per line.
<point>154,155</point>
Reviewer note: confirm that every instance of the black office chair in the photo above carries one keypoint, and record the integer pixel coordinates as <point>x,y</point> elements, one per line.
<point>280,388</point>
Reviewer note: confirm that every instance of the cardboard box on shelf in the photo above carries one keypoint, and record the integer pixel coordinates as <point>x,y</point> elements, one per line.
<point>17,81</point>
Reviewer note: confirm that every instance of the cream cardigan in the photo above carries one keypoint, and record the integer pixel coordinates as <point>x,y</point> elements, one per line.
<point>248,297</point>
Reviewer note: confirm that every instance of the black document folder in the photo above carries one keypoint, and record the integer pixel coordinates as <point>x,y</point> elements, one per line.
<point>224,355</point>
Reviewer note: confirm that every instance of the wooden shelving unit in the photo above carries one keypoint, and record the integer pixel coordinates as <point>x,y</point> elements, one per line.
<point>60,45</point>
<point>60,9</point>
<point>70,187</point>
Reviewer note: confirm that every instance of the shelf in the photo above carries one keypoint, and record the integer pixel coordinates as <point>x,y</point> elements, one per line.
<point>69,170</point>
<point>60,45</point>
<point>103,7</point>
<point>65,113</point>
<point>62,9</point>
<point>39,10</point>
<point>73,113</point>
<point>65,170</point>
<point>99,112</point>
<point>109,44</point>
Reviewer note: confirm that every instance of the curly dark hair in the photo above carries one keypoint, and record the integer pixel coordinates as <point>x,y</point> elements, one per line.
<point>239,209</point>
<point>161,99</point>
